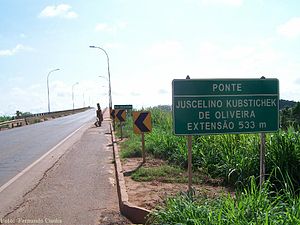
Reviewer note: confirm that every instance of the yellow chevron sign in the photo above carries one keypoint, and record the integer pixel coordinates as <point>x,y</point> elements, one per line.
<point>141,122</point>
<point>120,115</point>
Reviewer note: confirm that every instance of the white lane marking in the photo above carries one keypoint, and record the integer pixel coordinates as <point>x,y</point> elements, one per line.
<point>4,186</point>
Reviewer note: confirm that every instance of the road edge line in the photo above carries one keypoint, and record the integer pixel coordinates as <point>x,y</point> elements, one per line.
<point>12,180</point>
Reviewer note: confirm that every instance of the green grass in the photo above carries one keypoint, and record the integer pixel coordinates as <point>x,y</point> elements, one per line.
<point>131,149</point>
<point>163,173</point>
<point>250,206</point>
<point>168,174</point>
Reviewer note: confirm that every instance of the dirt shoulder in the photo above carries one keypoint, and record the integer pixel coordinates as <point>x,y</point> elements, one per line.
<point>150,194</point>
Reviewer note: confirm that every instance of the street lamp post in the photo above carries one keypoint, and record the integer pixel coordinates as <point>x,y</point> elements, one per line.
<point>73,93</point>
<point>48,88</point>
<point>109,85</point>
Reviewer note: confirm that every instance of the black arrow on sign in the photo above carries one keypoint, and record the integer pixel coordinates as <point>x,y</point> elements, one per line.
<point>119,115</point>
<point>113,114</point>
<point>140,122</point>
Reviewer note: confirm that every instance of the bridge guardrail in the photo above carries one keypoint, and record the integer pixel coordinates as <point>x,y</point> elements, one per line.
<point>12,123</point>
<point>38,117</point>
<point>48,114</point>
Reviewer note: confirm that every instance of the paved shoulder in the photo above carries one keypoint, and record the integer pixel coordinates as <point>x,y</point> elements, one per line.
<point>78,189</point>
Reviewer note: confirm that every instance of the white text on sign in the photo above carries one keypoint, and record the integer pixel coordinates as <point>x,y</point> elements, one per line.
<point>227,87</point>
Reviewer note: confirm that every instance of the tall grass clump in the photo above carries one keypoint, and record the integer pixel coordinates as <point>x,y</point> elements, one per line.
<point>253,205</point>
<point>161,142</point>
<point>283,152</point>
<point>231,157</point>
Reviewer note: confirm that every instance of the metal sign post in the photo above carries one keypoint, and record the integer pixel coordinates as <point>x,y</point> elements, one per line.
<point>189,145</point>
<point>262,159</point>
<point>190,172</point>
<point>262,156</point>
<point>143,148</point>
<point>121,130</point>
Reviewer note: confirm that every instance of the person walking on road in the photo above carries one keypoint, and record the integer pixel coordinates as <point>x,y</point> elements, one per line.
<point>99,116</point>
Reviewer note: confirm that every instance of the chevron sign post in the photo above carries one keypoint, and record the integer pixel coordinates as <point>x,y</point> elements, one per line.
<point>113,117</point>
<point>113,114</point>
<point>121,117</point>
<point>142,125</point>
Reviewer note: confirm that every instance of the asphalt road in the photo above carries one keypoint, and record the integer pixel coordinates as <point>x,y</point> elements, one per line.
<point>19,147</point>
<point>78,188</point>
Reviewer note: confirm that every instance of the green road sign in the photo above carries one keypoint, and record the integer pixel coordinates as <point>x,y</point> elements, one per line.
<point>123,107</point>
<point>217,106</point>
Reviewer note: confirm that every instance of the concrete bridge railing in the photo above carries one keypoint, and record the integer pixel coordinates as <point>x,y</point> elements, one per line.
<point>38,117</point>
<point>12,123</point>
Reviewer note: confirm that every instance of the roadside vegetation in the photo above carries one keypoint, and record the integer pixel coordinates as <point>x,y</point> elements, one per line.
<point>5,118</point>
<point>233,159</point>
<point>18,114</point>
<point>252,205</point>
<point>291,116</point>
<point>166,174</point>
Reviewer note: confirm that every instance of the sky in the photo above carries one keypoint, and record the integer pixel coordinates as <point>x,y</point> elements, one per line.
<point>149,43</point>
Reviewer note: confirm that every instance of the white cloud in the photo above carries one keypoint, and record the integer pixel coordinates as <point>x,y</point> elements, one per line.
<point>211,60</point>
<point>223,2</point>
<point>239,53</point>
<point>71,15</point>
<point>290,29</point>
<point>62,10</point>
<point>15,50</point>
